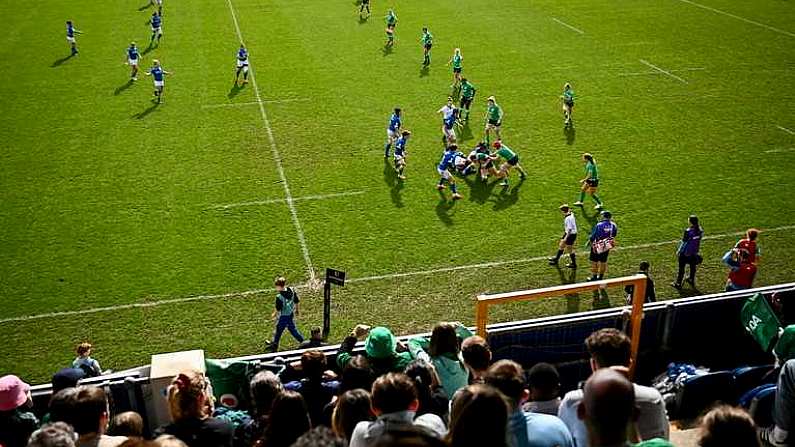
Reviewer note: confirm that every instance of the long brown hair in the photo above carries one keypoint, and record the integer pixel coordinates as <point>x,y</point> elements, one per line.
<point>187,396</point>
<point>351,408</point>
<point>478,417</point>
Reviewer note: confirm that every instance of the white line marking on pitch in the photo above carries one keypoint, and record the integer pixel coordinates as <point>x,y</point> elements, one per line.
<point>363,279</point>
<point>778,151</point>
<point>278,159</point>
<point>648,64</point>
<point>296,199</point>
<point>786,130</point>
<point>253,103</point>
<point>727,14</point>
<point>657,73</point>
<point>576,30</point>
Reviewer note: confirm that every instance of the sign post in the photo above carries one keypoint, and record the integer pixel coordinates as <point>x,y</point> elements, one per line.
<point>332,277</point>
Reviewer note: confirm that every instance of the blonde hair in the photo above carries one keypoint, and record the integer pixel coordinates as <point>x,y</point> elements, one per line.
<point>84,348</point>
<point>187,396</point>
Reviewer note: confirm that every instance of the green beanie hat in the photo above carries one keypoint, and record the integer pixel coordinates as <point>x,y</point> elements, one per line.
<point>380,343</point>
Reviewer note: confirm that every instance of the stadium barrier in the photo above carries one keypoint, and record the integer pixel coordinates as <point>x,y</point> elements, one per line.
<point>638,297</point>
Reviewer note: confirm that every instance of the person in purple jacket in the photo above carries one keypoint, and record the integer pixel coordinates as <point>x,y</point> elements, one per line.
<point>687,252</point>
<point>602,240</point>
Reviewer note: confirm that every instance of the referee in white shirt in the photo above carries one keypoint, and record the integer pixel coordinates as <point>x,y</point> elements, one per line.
<point>566,244</point>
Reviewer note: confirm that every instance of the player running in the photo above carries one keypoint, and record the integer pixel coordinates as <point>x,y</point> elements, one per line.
<point>493,118</point>
<point>511,160</point>
<point>568,103</point>
<point>456,61</point>
<point>427,43</point>
<point>242,64</point>
<point>133,57</point>
<point>467,95</point>
<point>590,182</point>
<point>392,130</point>
<point>400,153</point>
<point>159,75</point>
<point>156,21</point>
<point>391,22</point>
<point>446,164</point>
<point>365,5</point>
<point>566,244</point>
<point>70,36</point>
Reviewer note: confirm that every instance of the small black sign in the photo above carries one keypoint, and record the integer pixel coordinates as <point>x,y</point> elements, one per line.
<point>335,277</point>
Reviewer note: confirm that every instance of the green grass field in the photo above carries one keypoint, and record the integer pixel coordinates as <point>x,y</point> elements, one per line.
<point>110,201</point>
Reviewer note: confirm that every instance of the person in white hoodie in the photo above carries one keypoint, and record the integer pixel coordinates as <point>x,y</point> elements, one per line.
<point>394,403</point>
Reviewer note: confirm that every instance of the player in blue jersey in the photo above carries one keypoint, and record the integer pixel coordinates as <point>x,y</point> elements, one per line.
<point>156,21</point>
<point>448,127</point>
<point>70,36</point>
<point>446,165</point>
<point>242,64</point>
<point>400,153</point>
<point>159,76</point>
<point>393,130</point>
<point>133,58</point>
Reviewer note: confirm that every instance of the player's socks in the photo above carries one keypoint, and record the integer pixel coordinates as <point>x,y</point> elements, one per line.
<point>582,197</point>
<point>454,188</point>
<point>596,199</point>
<point>573,263</point>
<point>386,149</point>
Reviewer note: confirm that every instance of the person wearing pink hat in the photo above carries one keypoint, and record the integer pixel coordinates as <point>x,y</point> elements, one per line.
<point>16,423</point>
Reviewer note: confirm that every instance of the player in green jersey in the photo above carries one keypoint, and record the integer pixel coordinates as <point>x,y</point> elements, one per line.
<point>511,160</point>
<point>467,95</point>
<point>590,182</point>
<point>493,118</point>
<point>568,103</point>
<point>456,61</point>
<point>427,42</point>
<point>482,156</point>
<point>365,5</point>
<point>391,22</point>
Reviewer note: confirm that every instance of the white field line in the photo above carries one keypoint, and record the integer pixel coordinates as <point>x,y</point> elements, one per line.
<point>648,64</point>
<point>278,159</point>
<point>786,130</point>
<point>253,103</point>
<point>655,72</point>
<point>296,199</point>
<point>778,151</point>
<point>576,30</point>
<point>727,14</point>
<point>352,280</point>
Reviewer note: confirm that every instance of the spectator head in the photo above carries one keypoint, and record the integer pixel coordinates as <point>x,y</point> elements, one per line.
<point>357,373</point>
<point>84,349</point>
<point>444,340</point>
<point>128,423</point>
<point>169,441</point>
<point>313,364</point>
<point>543,381</point>
<point>425,380</point>
<point>61,404</point>
<point>478,417</point>
<point>608,407</point>
<point>410,436</point>
<point>316,333</point>
<point>752,234</point>
<point>380,343</point>
<point>88,410</point>
<point>727,425</point>
<point>394,392</point>
<point>476,353</point>
<point>265,386</point>
<point>644,266</point>
<point>319,437</point>
<point>187,396</point>
<point>56,434</point>
<point>508,377</point>
<point>280,283</point>
<point>608,347</point>
<point>14,393</point>
<point>693,220</point>
<point>351,408</point>
<point>289,419</point>
<point>66,378</point>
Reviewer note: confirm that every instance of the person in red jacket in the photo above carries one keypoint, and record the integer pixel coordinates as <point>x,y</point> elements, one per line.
<point>743,271</point>
<point>749,244</point>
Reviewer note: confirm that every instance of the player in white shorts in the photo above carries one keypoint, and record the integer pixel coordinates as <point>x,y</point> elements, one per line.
<point>159,76</point>
<point>133,57</point>
<point>242,64</point>
<point>156,21</point>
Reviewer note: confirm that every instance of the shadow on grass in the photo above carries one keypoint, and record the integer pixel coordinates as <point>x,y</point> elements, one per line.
<point>120,89</point>
<point>61,61</point>
<point>395,184</point>
<point>363,19</point>
<point>591,218</point>
<point>145,7</point>
<point>147,111</point>
<point>569,276</point>
<point>234,90</point>
<point>387,50</point>
<point>479,190</point>
<point>443,209</point>
<point>508,197</point>
<point>425,71</point>
<point>571,134</point>
<point>465,132</point>
<point>601,300</point>
<point>148,49</point>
